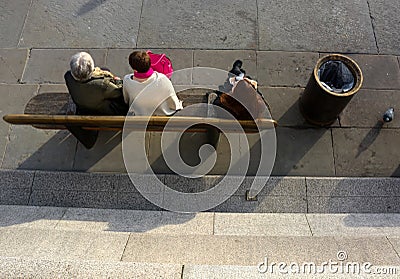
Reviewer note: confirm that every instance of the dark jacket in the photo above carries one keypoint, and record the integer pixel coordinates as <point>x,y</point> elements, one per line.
<point>96,96</point>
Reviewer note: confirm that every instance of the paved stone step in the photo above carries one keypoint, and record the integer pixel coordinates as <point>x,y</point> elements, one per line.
<point>280,194</point>
<point>37,242</point>
<point>13,267</point>
<point>206,223</point>
<point>215,250</point>
<point>39,268</point>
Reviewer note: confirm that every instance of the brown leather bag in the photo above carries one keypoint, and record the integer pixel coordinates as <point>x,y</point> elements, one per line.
<point>243,96</point>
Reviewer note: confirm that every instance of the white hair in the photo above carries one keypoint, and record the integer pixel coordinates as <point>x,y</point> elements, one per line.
<point>82,66</point>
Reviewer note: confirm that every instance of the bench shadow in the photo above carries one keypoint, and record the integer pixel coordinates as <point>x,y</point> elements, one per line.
<point>396,173</point>
<point>89,6</point>
<point>88,219</point>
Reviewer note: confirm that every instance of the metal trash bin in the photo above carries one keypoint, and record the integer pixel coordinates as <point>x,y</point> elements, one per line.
<point>321,106</point>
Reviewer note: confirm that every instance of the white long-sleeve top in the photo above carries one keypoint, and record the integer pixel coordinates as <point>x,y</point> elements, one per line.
<point>154,96</point>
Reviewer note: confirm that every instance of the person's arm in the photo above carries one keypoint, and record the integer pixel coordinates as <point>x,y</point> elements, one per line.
<point>172,101</point>
<point>111,90</point>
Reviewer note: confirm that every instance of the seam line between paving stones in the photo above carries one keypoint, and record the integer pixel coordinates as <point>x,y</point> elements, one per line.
<point>333,153</point>
<point>183,268</point>
<point>5,148</point>
<point>24,24</point>
<point>309,226</point>
<point>31,188</point>
<point>373,26</point>
<point>213,231</point>
<point>25,67</point>
<point>391,244</point>
<point>126,245</point>
<point>139,25</point>
<point>75,153</point>
<point>62,217</point>
<point>258,29</point>
<point>209,49</point>
<point>305,185</point>
<point>106,56</point>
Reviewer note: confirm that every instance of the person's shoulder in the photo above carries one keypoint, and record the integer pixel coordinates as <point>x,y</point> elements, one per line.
<point>68,75</point>
<point>162,77</point>
<point>127,78</point>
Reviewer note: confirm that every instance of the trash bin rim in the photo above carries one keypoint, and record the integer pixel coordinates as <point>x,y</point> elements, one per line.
<point>350,63</point>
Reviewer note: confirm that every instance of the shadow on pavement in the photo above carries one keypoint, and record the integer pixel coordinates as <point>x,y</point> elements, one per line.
<point>89,219</point>
<point>89,6</point>
<point>370,138</point>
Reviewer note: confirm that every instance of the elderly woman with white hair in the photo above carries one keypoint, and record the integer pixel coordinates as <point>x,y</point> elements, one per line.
<point>93,90</point>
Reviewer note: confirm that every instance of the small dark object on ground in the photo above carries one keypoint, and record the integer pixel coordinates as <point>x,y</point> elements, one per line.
<point>388,115</point>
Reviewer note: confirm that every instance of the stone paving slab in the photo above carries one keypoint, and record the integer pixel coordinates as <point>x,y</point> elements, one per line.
<point>245,251</point>
<point>304,152</point>
<point>274,186</point>
<point>223,59</point>
<point>50,65</point>
<point>279,195</point>
<point>178,24</point>
<point>53,88</point>
<point>62,245</point>
<point>190,144</point>
<point>88,199</point>
<point>354,224</point>
<point>351,245</point>
<point>379,71</point>
<point>395,241</point>
<point>12,21</point>
<point>30,216</point>
<point>364,152</point>
<point>12,63</point>
<point>318,25</point>
<point>291,69</point>
<point>251,272</point>
<point>264,204</point>
<point>32,152</point>
<point>284,104</point>
<point>261,224</point>
<point>153,222</point>
<point>96,182</point>
<point>367,107</point>
<point>15,196</point>
<point>14,97</point>
<point>40,268</point>
<point>106,154</point>
<point>346,187</point>
<point>74,24</point>
<point>353,204</point>
<point>385,15</point>
<point>16,179</point>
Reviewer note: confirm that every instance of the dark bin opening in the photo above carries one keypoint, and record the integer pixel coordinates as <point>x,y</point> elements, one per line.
<point>334,81</point>
<point>335,76</point>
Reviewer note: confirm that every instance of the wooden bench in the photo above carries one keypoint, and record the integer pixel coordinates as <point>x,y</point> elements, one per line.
<point>50,111</point>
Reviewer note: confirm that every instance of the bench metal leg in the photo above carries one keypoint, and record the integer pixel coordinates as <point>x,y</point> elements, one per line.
<point>86,137</point>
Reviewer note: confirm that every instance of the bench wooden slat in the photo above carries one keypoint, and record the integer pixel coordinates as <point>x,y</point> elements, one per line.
<point>154,122</point>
